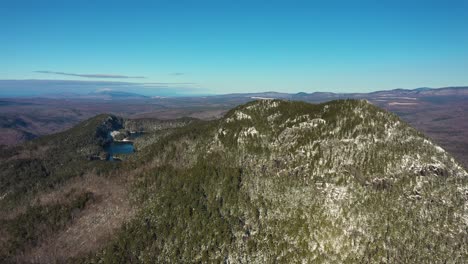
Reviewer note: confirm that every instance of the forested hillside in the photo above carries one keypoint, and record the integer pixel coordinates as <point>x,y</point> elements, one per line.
<point>340,182</point>
<point>271,181</point>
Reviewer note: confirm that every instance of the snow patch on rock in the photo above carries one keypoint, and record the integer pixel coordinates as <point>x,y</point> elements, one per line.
<point>273,117</point>
<point>251,131</point>
<point>114,133</point>
<point>238,115</point>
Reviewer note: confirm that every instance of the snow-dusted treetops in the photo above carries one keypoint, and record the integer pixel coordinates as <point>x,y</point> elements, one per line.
<point>339,182</point>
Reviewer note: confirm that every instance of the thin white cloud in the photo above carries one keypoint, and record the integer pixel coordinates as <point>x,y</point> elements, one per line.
<point>177,73</point>
<point>94,75</point>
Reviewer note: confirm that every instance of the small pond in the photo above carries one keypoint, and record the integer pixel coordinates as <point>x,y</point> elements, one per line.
<point>121,147</point>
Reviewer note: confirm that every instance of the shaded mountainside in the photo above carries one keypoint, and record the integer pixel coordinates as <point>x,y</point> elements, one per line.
<point>54,158</point>
<point>340,182</point>
<point>30,171</point>
<point>47,182</point>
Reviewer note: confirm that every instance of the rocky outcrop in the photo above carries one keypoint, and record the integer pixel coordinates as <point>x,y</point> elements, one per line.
<point>111,123</point>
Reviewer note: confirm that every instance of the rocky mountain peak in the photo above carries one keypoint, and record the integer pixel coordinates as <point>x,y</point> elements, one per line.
<point>331,137</point>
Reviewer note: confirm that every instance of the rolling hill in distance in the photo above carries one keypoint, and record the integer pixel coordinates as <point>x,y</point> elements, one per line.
<point>271,180</point>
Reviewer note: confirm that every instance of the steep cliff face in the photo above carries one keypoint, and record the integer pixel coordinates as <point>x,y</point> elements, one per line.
<point>109,123</point>
<point>342,181</point>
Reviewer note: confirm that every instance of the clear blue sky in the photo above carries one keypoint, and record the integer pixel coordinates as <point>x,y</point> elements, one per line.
<point>238,46</point>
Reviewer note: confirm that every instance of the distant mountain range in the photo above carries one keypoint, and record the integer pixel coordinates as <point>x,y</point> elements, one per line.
<point>324,96</point>
<point>110,94</point>
<point>104,94</point>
